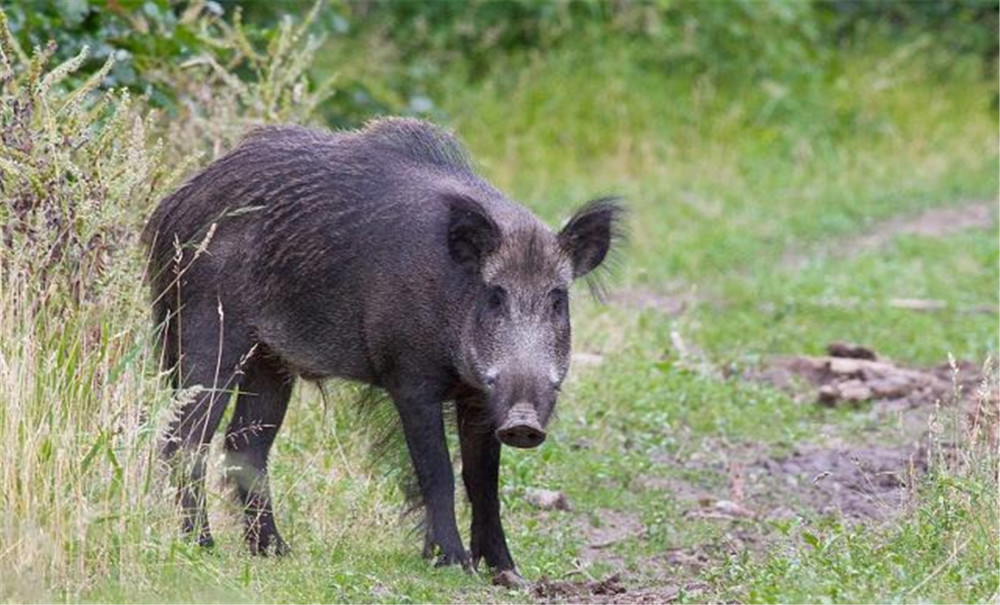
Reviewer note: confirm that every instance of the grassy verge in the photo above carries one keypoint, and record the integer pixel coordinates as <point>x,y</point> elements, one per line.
<point>722,180</point>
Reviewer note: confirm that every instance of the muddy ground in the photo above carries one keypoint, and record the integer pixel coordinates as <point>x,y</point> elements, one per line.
<point>865,477</point>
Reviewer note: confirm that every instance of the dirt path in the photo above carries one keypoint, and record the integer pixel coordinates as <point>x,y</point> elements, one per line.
<point>673,302</point>
<point>933,222</point>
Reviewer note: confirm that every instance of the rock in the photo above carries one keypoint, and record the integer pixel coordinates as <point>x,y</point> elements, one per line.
<point>721,509</point>
<point>546,499</point>
<point>846,367</point>
<point>891,387</point>
<point>853,391</point>
<point>733,509</point>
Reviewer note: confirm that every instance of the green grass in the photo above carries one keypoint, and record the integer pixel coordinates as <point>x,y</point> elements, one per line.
<point>722,179</point>
<point>943,551</point>
<point>799,311</point>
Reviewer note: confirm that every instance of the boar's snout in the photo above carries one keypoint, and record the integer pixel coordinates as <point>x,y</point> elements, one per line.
<point>521,427</point>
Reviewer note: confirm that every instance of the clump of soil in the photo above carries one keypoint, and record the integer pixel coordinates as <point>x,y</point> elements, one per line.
<point>856,483</point>
<point>611,590</point>
<point>573,590</point>
<point>546,499</point>
<point>854,374</point>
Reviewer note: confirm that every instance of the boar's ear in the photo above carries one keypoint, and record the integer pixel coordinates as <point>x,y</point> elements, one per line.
<point>472,234</point>
<point>590,234</point>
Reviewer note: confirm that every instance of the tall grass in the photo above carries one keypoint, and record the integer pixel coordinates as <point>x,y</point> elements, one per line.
<point>82,406</point>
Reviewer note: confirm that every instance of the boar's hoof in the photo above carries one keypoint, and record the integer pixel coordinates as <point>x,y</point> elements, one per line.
<point>206,542</point>
<point>521,427</point>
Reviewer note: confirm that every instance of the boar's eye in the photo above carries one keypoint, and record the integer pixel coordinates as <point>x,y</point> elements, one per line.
<point>560,302</point>
<point>496,297</point>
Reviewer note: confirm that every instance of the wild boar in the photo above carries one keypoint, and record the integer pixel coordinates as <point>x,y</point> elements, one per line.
<point>377,256</point>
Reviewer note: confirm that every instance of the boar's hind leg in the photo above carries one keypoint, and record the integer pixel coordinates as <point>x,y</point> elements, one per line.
<point>190,434</point>
<point>423,426</point>
<point>260,409</point>
<point>480,472</point>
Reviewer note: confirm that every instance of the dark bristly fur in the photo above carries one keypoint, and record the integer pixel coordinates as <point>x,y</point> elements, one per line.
<point>377,256</point>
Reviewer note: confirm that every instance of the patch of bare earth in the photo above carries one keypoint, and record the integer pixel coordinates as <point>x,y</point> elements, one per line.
<point>611,589</point>
<point>933,222</point>
<point>611,527</point>
<point>854,483</point>
<point>673,302</point>
<point>860,478</point>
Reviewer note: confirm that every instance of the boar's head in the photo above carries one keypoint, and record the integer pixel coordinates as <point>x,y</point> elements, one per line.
<point>515,339</point>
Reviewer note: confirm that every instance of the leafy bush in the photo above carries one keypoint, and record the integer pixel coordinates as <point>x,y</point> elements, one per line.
<point>77,167</point>
<point>235,83</point>
<point>142,36</point>
<point>151,41</point>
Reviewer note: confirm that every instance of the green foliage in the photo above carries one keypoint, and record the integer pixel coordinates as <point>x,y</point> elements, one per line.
<point>76,171</point>
<point>77,164</point>
<point>153,41</point>
<point>239,84</point>
<point>142,36</point>
<point>964,26</point>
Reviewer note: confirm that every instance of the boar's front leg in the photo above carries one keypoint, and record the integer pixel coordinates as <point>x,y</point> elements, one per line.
<point>423,426</point>
<point>481,473</point>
